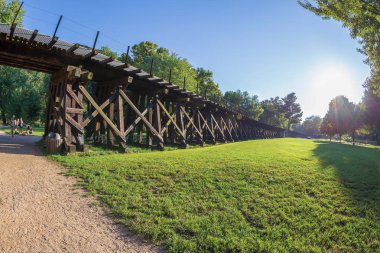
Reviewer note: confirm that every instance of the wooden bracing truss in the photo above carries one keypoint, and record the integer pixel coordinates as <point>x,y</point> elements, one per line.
<point>111,113</point>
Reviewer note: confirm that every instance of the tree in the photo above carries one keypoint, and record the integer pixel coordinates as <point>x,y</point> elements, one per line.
<point>9,10</point>
<point>370,107</point>
<point>206,86</point>
<point>243,101</point>
<point>22,92</point>
<point>273,113</point>
<point>327,127</point>
<point>292,110</point>
<point>362,18</point>
<point>341,116</point>
<point>355,120</point>
<point>311,125</point>
<point>107,51</point>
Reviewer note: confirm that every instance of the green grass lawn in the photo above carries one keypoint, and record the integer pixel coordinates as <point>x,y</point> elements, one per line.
<point>279,195</point>
<point>38,131</point>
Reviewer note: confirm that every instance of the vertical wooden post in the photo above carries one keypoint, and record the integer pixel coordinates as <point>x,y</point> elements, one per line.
<point>149,138</point>
<point>111,115</point>
<point>157,120</point>
<point>120,120</point>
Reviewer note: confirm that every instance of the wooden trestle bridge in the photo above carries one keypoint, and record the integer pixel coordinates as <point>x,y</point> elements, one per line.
<point>113,103</point>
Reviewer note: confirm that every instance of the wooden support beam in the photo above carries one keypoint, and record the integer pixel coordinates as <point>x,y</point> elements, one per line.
<point>52,42</point>
<point>134,124</point>
<point>120,111</point>
<point>12,31</point>
<point>191,122</point>
<point>74,110</point>
<point>96,112</point>
<point>171,119</point>
<point>107,60</point>
<point>72,49</point>
<point>75,97</point>
<point>74,124</point>
<point>206,125</point>
<point>146,122</point>
<point>33,36</point>
<point>119,135</point>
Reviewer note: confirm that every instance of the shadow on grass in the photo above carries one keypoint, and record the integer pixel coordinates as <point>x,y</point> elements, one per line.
<point>357,168</point>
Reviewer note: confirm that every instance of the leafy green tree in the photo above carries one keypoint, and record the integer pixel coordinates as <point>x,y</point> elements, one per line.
<point>273,113</point>
<point>311,125</point>
<point>9,10</point>
<point>206,85</point>
<point>356,118</point>
<point>371,112</point>
<point>182,72</point>
<point>327,127</point>
<point>239,100</point>
<point>341,116</point>
<point>292,110</point>
<point>107,51</point>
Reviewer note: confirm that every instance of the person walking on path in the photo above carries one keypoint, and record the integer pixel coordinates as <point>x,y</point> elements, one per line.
<point>21,125</point>
<point>13,125</point>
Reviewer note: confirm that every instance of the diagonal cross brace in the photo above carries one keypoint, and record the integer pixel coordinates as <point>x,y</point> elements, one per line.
<point>171,120</point>
<point>145,121</point>
<point>104,116</point>
<point>191,122</point>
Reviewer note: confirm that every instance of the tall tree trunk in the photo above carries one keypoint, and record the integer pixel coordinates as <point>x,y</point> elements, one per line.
<point>3,118</point>
<point>340,138</point>
<point>287,133</point>
<point>330,138</point>
<point>353,138</point>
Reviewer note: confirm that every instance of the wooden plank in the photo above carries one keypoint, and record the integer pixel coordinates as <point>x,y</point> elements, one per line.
<point>191,122</point>
<point>105,61</point>
<point>146,122</point>
<point>120,111</point>
<point>33,36</point>
<point>111,111</point>
<point>137,120</point>
<point>101,113</point>
<point>52,42</point>
<point>171,119</point>
<point>12,31</point>
<point>205,124</point>
<point>217,125</point>
<point>72,49</point>
<point>74,124</point>
<point>75,97</point>
<point>95,112</point>
<point>226,127</point>
<point>74,110</point>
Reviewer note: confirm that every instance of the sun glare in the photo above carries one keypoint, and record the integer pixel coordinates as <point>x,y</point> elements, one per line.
<point>327,81</point>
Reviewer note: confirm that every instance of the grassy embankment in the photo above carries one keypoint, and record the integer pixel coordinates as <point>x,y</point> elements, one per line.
<point>284,195</point>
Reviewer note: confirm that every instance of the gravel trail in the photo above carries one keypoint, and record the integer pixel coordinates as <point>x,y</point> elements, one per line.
<point>41,210</point>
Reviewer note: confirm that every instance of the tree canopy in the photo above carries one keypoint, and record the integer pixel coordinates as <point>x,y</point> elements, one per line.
<point>342,117</point>
<point>292,110</point>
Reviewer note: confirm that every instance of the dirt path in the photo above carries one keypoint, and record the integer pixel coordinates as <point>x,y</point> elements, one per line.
<point>42,211</point>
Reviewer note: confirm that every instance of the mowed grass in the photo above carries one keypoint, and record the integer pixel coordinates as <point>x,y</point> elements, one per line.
<point>279,195</point>
<point>37,131</point>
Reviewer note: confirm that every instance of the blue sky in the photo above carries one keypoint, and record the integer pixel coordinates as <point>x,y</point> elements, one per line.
<point>267,47</point>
